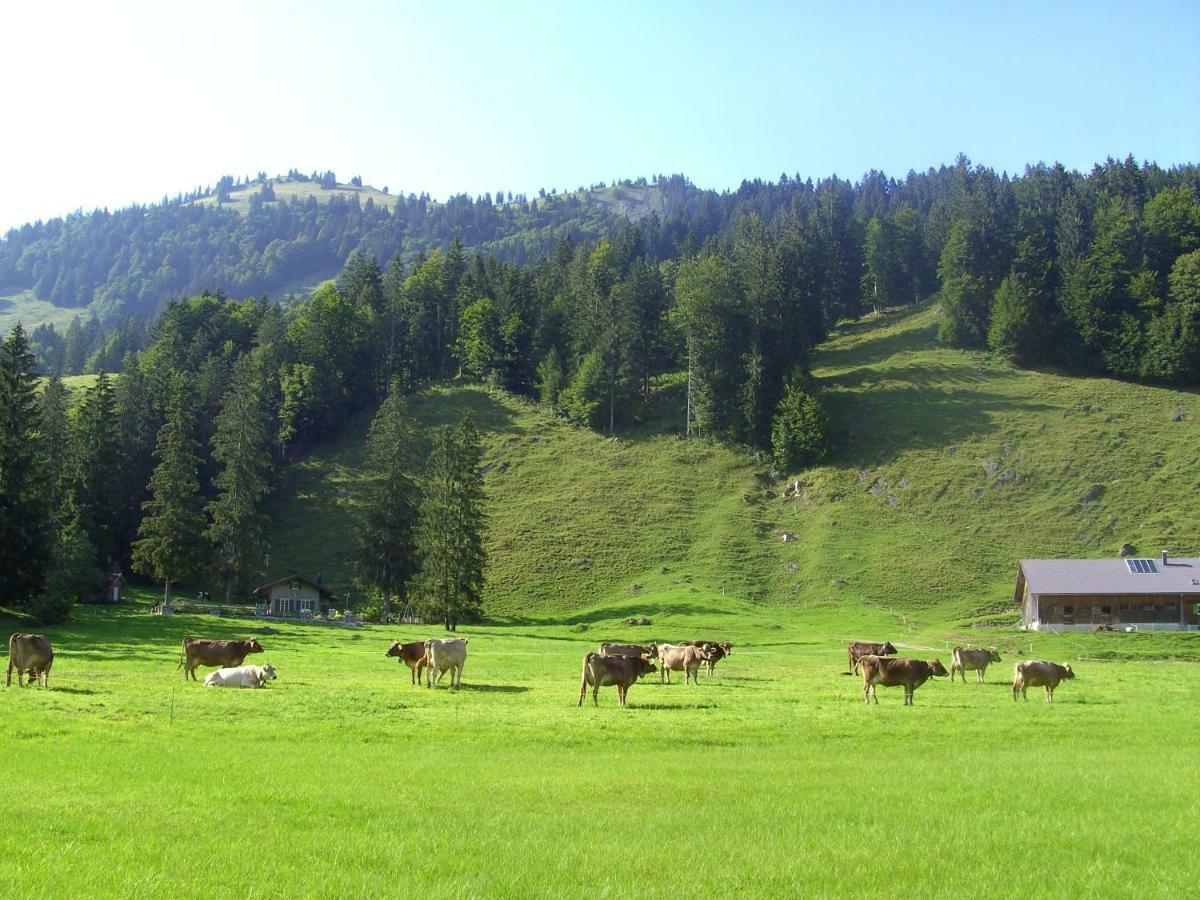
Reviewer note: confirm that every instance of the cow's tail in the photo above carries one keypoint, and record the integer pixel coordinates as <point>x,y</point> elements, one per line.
<point>583,678</point>
<point>182,653</point>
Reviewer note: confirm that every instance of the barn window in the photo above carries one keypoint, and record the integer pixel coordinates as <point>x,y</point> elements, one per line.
<point>1068,610</point>
<point>1106,610</point>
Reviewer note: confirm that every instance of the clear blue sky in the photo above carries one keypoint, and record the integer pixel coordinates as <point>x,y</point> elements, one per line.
<point>107,104</point>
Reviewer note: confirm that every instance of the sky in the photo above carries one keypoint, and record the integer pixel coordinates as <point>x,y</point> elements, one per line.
<point>107,104</point>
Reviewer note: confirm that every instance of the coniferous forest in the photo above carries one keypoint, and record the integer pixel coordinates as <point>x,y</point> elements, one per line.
<point>584,305</point>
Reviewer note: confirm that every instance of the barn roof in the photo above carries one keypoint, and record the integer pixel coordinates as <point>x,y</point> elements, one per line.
<point>1179,575</point>
<point>265,589</point>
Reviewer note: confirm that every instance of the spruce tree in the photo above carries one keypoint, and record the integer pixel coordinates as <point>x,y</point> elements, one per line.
<point>56,445</point>
<point>171,534</point>
<point>388,504</point>
<point>25,524</point>
<point>95,467</point>
<point>450,534</point>
<point>242,448</point>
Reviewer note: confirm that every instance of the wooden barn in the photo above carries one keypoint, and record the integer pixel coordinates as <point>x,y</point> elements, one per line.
<point>1080,594</point>
<point>294,596</point>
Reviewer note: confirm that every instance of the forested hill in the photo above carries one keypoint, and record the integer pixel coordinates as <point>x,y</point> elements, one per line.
<point>1098,273</point>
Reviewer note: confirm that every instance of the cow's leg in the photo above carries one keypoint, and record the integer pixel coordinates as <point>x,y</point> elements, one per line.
<point>8,681</point>
<point>596,692</point>
<point>1049,694</point>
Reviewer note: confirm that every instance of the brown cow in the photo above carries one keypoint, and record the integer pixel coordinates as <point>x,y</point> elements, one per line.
<point>977,660</point>
<point>412,655</point>
<point>717,651</point>
<point>650,651</point>
<point>681,659</point>
<point>912,673</point>
<point>1034,672</point>
<point>601,671</point>
<point>30,653</point>
<point>859,649</point>
<point>201,652</point>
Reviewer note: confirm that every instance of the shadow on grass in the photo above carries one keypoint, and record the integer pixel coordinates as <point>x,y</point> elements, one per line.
<point>494,688</point>
<point>673,707</point>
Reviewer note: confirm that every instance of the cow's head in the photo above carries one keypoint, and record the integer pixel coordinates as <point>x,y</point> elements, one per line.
<point>1067,673</point>
<point>888,650</point>
<point>393,650</point>
<point>727,647</point>
<point>268,672</point>
<point>995,655</point>
<point>705,652</point>
<point>645,667</point>
<point>936,667</point>
<point>653,650</point>
<point>253,646</point>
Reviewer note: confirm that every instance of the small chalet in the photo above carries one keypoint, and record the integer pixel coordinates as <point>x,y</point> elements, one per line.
<point>1079,594</point>
<point>294,596</point>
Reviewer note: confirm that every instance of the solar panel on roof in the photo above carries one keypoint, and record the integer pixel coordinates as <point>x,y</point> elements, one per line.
<point>1142,566</point>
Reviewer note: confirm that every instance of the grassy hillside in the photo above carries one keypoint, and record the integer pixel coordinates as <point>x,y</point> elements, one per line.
<point>947,468</point>
<point>239,199</point>
<point>19,305</point>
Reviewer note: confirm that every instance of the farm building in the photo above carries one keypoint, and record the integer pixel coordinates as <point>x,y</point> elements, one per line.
<point>294,596</point>
<point>1079,594</point>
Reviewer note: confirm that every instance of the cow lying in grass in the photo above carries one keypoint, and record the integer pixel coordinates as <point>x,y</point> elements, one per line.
<point>241,676</point>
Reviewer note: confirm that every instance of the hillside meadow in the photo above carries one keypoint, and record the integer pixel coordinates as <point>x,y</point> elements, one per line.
<point>771,778</point>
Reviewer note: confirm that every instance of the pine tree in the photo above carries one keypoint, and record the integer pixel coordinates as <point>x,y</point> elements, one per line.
<point>56,444</point>
<point>95,467</point>
<point>242,447</point>
<point>388,504</point>
<point>171,534</point>
<point>800,433</point>
<point>25,514</point>
<point>450,534</point>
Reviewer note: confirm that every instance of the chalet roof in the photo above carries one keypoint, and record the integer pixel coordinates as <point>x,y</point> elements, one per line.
<point>1180,575</point>
<point>264,590</point>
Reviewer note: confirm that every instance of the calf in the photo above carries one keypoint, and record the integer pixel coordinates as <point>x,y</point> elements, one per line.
<point>30,653</point>
<point>600,671</point>
<point>681,659</point>
<point>442,655</point>
<point>859,649</point>
<point>199,652</point>
<point>977,660</point>
<point>912,673</point>
<point>1034,672</point>
<point>649,651</point>
<point>242,676</point>
<point>412,655</point>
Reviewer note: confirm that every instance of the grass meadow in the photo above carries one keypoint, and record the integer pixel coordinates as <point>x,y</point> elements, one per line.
<point>770,779</point>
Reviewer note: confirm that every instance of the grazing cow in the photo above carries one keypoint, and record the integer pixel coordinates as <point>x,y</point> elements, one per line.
<point>912,673</point>
<point>600,671</point>
<point>977,660</point>
<point>1034,672</point>
<point>412,655</point>
<point>859,649</point>
<point>442,655</point>
<point>242,676</point>
<point>650,651</point>
<point>30,653</point>
<point>681,659</point>
<point>201,652</point>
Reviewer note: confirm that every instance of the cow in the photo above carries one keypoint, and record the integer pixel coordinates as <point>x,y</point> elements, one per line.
<point>30,653</point>
<point>650,651</point>
<point>242,676</point>
<point>681,659</point>
<point>859,649</point>
<point>412,655</point>
<point>1034,672</point>
<point>201,652</point>
<point>600,671</point>
<point>442,655</point>
<point>977,660</point>
<point>912,673</point>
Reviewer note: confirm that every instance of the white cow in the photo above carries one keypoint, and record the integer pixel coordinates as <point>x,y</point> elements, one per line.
<point>242,676</point>
<point>442,655</point>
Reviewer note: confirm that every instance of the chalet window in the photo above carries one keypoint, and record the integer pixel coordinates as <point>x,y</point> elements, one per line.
<point>1068,610</point>
<point>1106,610</point>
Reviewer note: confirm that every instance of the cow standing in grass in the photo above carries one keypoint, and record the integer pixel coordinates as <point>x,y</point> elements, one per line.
<point>200,652</point>
<point>1039,673</point>
<point>975,660</point>
<point>30,653</point>
<point>858,649</point>
<point>412,655</point>
<point>681,659</point>
<point>911,673</point>
<point>601,671</point>
<point>443,655</point>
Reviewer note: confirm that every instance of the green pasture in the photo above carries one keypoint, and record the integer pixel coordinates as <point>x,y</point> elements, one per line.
<point>771,779</point>
<point>22,306</point>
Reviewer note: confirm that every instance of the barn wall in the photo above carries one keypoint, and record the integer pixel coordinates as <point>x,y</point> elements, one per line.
<point>1117,609</point>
